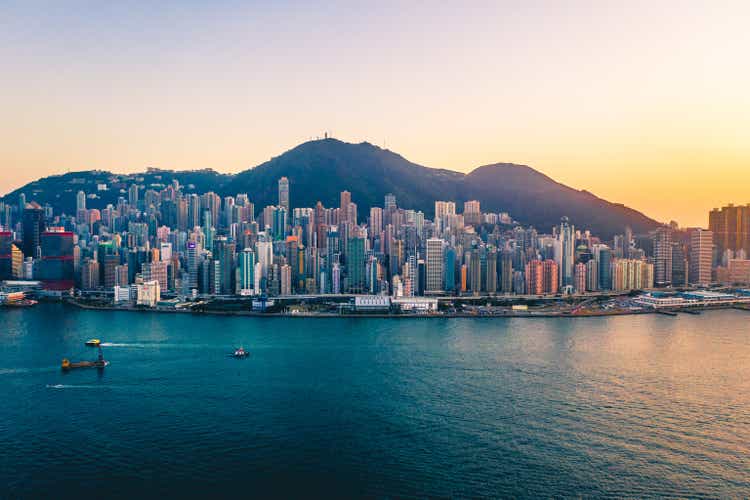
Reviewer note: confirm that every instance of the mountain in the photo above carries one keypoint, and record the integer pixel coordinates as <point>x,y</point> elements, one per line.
<point>60,190</point>
<point>319,170</point>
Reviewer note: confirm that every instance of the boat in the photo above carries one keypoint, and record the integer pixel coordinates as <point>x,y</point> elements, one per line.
<point>240,353</point>
<point>93,342</point>
<point>20,303</point>
<point>100,363</point>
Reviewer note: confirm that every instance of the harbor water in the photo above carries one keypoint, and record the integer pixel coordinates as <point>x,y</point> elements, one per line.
<point>635,406</point>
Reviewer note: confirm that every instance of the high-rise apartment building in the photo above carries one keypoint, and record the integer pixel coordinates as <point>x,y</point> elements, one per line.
<point>579,278</point>
<point>701,256</point>
<point>435,266</point>
<point>730,226</point>
<point>472,212</point>
<point>662,239</point>
<point>534,274</point>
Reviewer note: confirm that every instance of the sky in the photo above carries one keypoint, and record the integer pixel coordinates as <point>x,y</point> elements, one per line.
<point>642,103</point>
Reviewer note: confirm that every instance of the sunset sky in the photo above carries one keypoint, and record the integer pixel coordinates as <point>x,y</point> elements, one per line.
<point>642,103</point>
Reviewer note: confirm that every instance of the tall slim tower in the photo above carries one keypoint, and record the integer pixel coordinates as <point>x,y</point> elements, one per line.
<point>80,206</point>
<point>566,259</point>
<point>701,256</point>
<point>284,193</point>
<point>435,262</point>
<point>346,200</point>
<point>663,256</point>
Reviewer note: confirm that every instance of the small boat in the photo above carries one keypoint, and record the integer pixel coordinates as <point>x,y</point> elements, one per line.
<point>240,353</point>
<point>93,342</point>
<point>100,363</point>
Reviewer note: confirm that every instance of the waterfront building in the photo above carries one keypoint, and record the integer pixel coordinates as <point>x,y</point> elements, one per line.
<point>592,276</point>
<point>56,264</point>
<point>16,262</point>
<point>739,271</point>
<point>246,269</point>
<point>148,293</point>
<point>286,279</point>
<point>356,265</point>
<point>534,278</point>
<point>90,275</point>
<point>604,258</point>
<point>506,272</point>
<point>701,256</point>
<point>121,294</point>
<point>662,241</point>
<point>679,265</point>
<point>449,268</point>
<point>550,276</point>
<point>730,226</point>
<point>565,252</point>
<point>153,271</point>
<point>33,226</point>
<point>435,266</point>
<point>579,278</point>
<point>6,267</point>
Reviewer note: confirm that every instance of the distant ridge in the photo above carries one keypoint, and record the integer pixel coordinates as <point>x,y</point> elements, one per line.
<point>319,170</point>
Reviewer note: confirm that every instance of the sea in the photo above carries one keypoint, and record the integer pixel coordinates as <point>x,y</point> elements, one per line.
<point>627,406</point>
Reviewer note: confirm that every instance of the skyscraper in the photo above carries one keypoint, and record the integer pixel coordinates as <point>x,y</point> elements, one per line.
<point>346,199</point>
<point>730,226</point>
<point>389,203</point>
<point>286,279</point>
<point>605,268</point>
<point>435,262</point>
<point>6,258</point>
<point>534,277</point>
<point>284,193</point>
<point>580,278</point>
<point>701,256</point>
<point>550,276</point>
<point>80,206</point>
<point>356,265</point>
<point>133,196</point>
<point>246,268</point>
<point>506,272</point>
<point>376,221</point>
<point>33,225</point>
<point>679,264</point>
<point>56,266</point>
<point>566,258</point>
<point>663,256</point>
<point>472,212</point>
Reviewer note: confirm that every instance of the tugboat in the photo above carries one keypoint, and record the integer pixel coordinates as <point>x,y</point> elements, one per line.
<point>100,363</point>
<point>93,342</point>
<point>240,353</point>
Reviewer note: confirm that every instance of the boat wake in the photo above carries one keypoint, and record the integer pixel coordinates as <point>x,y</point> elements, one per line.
<point>156,345</point>
<point>121,344</point>
<point>68,386</point>
<point>12,371</point>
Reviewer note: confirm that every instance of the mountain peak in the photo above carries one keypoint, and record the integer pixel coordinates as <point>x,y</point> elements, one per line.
<point>318,170</point>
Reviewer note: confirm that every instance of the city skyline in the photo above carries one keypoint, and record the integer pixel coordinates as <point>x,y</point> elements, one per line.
<point>642,105</point>
<point>190,244</point>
